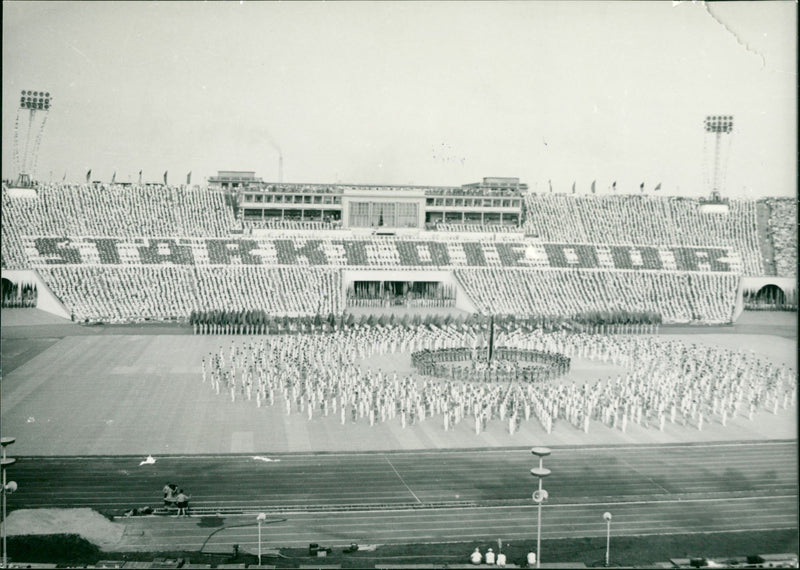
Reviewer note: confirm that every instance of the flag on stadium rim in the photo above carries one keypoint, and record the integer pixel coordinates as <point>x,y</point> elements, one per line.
<point>658,187</point>
<point>165,177</point>
<point>140,177</point>
<point>88,175</point>
<point>114,177</point>
<point>641,187</point>
<point>64,177</point>
<point>573,187</point>
<point>189,178</point>
<point>593,188</point>
<point>614,186</point>
<point>550,182</point>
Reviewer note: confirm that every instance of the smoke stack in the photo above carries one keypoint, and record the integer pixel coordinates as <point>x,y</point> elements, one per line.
<point>280,168</point>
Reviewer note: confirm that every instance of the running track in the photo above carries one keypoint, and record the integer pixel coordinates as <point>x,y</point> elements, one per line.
<point>381,498</point>
<point>404,479</point>
<point>465,525</point>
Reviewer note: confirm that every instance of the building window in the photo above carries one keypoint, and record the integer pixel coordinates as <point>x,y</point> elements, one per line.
<point>359,214</point>
<point>407,215</point>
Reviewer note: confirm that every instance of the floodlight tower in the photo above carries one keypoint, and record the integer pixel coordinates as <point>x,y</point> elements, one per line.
<point>32,112</point>
<point>717,125</point>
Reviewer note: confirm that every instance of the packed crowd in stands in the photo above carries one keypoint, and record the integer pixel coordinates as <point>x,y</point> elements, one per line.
<point>782,229</point>
<point>118,293</point>
<point>304,188</point>
<point>12,254</point>
<point>678,297</point>
<point>117,210</point>
<point>305,225</point>
<point>18,296</point>
<point>170,293</point>
<point>668,381</point>
<point>477,227</point>
<point>643,220</point>
<point>467,191</point>
<point>70,210</point>
<point>404,300</point>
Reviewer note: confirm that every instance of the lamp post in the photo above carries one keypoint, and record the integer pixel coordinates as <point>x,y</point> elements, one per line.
<point>540,495</point>
<point>607,518</point>
<point>5,463</point>
<point>260,518</point>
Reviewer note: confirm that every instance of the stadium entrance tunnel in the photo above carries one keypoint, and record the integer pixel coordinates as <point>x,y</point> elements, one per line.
<point>771,293</point>
<point>770,297</point>
<point>5,286</point>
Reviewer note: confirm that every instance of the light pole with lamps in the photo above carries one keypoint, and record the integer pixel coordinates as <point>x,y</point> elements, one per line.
<point>260,518</point>
<point>5,463</point>
<point>607,518</point>
<point>540,495</point>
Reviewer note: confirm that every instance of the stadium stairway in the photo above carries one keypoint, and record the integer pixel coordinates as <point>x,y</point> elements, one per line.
<point>764,239</point>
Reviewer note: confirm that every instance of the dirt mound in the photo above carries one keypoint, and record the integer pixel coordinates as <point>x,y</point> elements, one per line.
<point>90,524</point>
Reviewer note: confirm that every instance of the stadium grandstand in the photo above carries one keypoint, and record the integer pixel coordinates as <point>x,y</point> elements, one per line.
<point>122,253</point>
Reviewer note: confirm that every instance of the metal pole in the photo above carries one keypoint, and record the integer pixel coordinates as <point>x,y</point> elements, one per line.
<point>539,528</point>
<point>259,545</point>
<point>5,547</point>
<point>540,473</point>
<point>608,538</point>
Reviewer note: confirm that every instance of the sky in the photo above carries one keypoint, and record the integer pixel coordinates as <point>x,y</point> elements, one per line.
<point>439,93</point>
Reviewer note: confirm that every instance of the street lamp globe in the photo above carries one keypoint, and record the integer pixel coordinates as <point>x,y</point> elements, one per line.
<point>540,472</point>
<point>540,451</point>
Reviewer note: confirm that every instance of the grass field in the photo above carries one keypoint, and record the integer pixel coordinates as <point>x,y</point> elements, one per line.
<point>69,390</point>
<point>110,394</point>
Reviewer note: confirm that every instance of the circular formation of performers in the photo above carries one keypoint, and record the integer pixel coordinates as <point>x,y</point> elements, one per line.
<point>505,364</point>
<point>667,380</point>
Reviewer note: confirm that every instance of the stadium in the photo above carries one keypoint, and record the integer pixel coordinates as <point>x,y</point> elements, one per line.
<point>238,369</point>
<point>282,339</point>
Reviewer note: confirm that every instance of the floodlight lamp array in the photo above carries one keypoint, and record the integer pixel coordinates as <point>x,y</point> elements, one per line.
<point>718,123</point>
<point>35,100</point>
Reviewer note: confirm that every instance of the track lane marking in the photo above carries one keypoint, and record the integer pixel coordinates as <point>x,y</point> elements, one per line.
<point>401,479</point>
<point>447,540</point>
<point>286,456</point>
